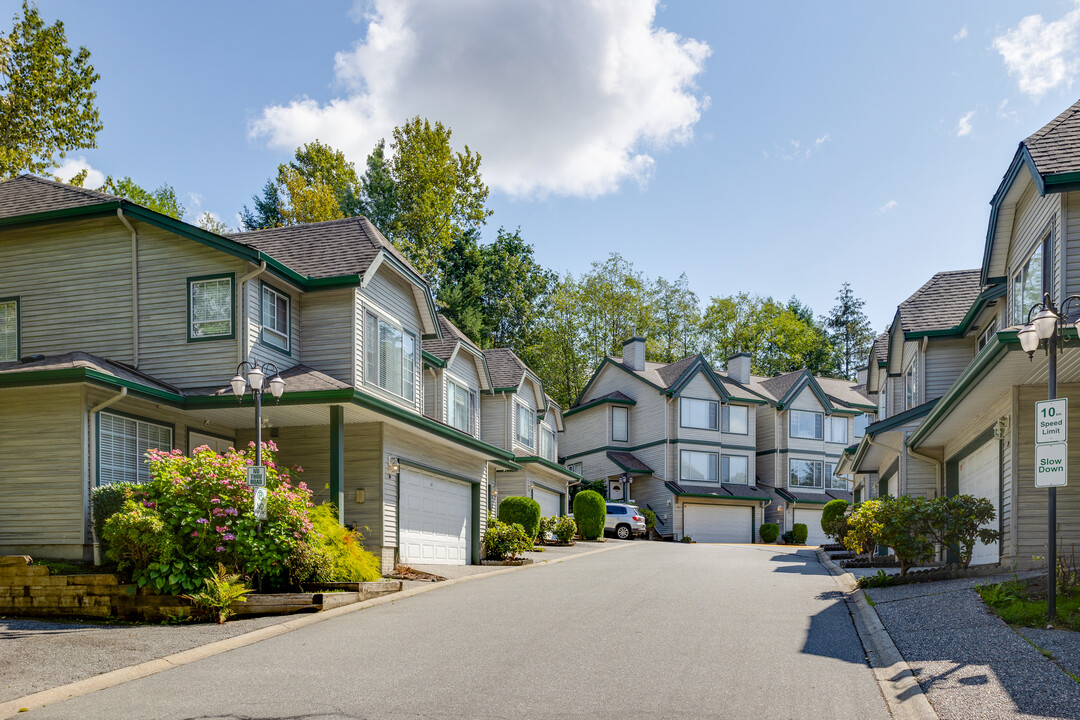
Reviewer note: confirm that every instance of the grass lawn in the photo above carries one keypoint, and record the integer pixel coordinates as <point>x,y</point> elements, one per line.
<point>1023,603</point>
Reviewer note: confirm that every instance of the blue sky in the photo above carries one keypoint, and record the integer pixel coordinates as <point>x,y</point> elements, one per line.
<point>774,147</point>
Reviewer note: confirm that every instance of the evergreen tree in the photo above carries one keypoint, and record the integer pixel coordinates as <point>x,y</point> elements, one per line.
<point>850,331</point>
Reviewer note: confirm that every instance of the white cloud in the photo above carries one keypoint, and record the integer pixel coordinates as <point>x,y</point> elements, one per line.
<point>794,149</point>
<point>963,125</point>
<point>73,166</point>
<point>1040,54</point>
<point>960,35</point>
<point>891,205</point>
<point>565,98</point>
<point>1003,110</point>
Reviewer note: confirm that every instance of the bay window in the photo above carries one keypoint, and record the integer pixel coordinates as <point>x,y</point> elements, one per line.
<point>806,424</point>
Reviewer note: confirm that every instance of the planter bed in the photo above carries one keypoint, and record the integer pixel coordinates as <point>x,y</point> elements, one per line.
<point>947,572</point>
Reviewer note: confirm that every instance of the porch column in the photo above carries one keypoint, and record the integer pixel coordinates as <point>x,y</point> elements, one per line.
<point>337,460</point>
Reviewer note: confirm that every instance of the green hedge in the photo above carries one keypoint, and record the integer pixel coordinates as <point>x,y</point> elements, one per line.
<point>523,511</point>
<point>106,501</point>
<point>590,511</point>
<point>769,532</point>
<point>799,533</point>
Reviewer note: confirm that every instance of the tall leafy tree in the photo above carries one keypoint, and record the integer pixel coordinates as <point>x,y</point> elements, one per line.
<point>209,223</point>
<point>615,305</point>
<point>379,191</point>
<point>46,96</point>
<point>565,364</point>
<point>162,199</point>
<point>676,320</point>
<point>850,331</point>
<point>267,211</point>
<point>821,358</point>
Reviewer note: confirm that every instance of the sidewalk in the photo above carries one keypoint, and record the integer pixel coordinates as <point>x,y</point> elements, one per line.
<point>969,662</point>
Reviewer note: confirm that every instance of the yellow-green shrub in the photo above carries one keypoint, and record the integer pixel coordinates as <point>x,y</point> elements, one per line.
<point>347,560</point>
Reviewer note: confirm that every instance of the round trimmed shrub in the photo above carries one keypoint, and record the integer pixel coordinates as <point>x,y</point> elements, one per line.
<point>833,509</point>
<point>523,511</point>
<point>590,510</point>
<point>799,533</point>
<point>769,532</point>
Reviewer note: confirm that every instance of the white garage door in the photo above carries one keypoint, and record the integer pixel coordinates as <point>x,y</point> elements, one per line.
<point>979,473</point>
<point>435,520</point>
<point>550,502</point>
<point>718,523</point>
<point>812,519</point>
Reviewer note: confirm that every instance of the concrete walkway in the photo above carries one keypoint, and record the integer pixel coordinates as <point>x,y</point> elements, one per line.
<point>968,661</point>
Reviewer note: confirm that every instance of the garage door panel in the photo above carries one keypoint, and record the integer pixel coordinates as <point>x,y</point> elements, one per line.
<point>435,519</point>
<point>812,519</point>
<point>979,476</point>
<point>718,523</point>
<point>550,502</point>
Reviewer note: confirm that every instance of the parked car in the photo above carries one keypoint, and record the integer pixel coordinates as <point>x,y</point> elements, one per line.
<point>625,521</point>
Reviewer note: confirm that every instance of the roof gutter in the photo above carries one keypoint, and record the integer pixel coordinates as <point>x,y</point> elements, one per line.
<point>134,287</point>
<point>241,331</point>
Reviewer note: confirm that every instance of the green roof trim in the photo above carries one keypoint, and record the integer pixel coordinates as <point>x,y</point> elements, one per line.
<point>608,361</point>
<point>432,360</point>
<point>630,470</point>
<point>544,462</point>
<point>1004,341</point>
<point>986,297</point>
<point>795,501</point>
<point>615,448</point>
<point>595,403</point>
<point>676,493</point>
<point>675,389</point>
<point>903,418</point>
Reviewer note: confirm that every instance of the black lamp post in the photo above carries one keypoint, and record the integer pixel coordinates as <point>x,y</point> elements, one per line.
<point>256,377</point>
<point>1048,326</point>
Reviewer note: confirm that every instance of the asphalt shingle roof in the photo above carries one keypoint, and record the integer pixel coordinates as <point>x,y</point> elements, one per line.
<point>628,461</point>
<point>942,302</point>
<point>506,368</point>
<point>881,347</point>
<point>72,360</point>
<point>779,385</point>
<point>29,195</point>
<point>1055,147</point>
<point>443,348</point>
<point>721,491</point>
<point>814,497</point>
<point>325,249</point>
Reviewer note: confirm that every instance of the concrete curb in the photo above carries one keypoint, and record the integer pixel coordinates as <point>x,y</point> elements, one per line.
<point>151,667</point>
<point>902,692</point>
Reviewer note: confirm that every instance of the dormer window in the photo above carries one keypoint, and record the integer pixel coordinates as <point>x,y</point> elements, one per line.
<point>526,426</point>
<point>1029,282</point>
<point>391,358</point>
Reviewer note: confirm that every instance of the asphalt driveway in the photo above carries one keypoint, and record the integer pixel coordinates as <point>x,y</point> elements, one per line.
<point>652,630</point>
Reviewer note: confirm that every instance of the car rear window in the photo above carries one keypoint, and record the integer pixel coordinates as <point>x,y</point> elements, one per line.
<point>616,510</point>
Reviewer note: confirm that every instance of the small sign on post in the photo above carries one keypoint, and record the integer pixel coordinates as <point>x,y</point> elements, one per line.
<point>1052,421</point>
<point>260,503</point>
<point>256,476</point>
<point>1052,465</point>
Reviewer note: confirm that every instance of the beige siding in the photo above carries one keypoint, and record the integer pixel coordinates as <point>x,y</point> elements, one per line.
<point>259,350</point>
<point>647,417</point>
<point>43,473</point>
<point>1034,215</point>
<point>495,421</point>
<point>463,371</point>
<point>326,330</point>
<point>526,399</point>
<point>74,284</point>
<point>391,298</point>
<point>651,493</point>
<point>1071,244</point>
<point>945,360</point>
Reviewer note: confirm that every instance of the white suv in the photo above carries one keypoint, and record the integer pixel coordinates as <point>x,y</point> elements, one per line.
<point>625,521</point>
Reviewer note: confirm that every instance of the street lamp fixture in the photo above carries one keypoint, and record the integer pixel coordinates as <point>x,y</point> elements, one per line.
<point>256,378</point>
<point>1048,327</point>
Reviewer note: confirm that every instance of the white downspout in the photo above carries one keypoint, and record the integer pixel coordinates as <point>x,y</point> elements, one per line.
<point>875,443</point>
<point>134,287</point>
<point>242,330</point>
<point>92,454</point>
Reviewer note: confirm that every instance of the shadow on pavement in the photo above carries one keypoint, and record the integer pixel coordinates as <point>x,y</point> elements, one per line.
<point>803,562</point>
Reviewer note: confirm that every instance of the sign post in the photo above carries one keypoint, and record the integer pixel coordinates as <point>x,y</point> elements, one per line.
<point>1052,466</point>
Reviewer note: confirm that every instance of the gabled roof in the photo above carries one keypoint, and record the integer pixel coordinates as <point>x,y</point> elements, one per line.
<point>844,393</point>
<point>507,372</point>
<point>669,378</point>
<point>941,303</point>
<point>444,348</point>
<point>612,398</point>
<point>1055,147</point>
<point>833,393</point>
<point>629,462</point>
<point>30,195</point>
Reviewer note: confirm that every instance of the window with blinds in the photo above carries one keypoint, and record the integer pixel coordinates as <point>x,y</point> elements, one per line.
<point>9,330</point>
<point>458,407</point>
<point>122,446</point>
<point>210,307</point>
<point>390,358</point>
<point>275,318</point>
<point>526,426</point>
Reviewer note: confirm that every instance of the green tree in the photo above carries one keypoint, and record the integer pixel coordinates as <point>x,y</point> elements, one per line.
<point>565,364</point>
<point>163,199</point>
<point>46,96</point>
<point>209,223</point>
<point>379,192</point>
<point>615,305</point>
<point>820,358</point>
<point>267,212</point>
<point>850,331</point>
<point>676,320</point>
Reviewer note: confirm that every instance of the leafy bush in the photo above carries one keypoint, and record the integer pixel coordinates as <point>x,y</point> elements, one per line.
<point>547,527</point>
<point>222,588</point>
<point>686,539</point>
<point>957,521</point>
<point>650,518</point>
<point>788,537</point>
<point>769,532</point>
<point>503,541</point>
<point>136,538</point>
<point>899,523</point>
<point>863,527</point>
<point>106,501</point>
<point>205,507</point>
<point>590,511</point>
<point>879,579</point>
<point>799,533</point>
<point>348,561</point>
<point>565,529</point>
<point>523,511</point>
<point>832,515</point>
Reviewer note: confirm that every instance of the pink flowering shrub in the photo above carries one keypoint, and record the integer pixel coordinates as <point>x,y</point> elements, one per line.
<point>206,508</point>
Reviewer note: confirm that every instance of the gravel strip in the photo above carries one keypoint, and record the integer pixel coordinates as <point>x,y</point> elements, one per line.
<point>903,592</point>
<point>40,654</point>
<point>1064,645</point>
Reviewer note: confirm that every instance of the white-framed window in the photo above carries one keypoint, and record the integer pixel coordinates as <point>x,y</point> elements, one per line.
<point>275,318</point>
<point>700,414</point>
<point>734,419</point>
<point>911,385</point>
<point>526,426</point>
<point>806,424</point>
<point>9,329</point>
<point>210,307</point>
<point>547,444</point>
<point>122,446</point>
<point>576,467</point>
<point>734,469</point>
<point>699,466</point>
<point>804,473</point>
<point>620,424</point>
<point>391,358</point>
<point>833,482</point>
<point>883,401</point>
<point>1029,283</point>
<point>459,407</point>
<point>861,421</point>
<point>988,334</point>
<point>836,429</point>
